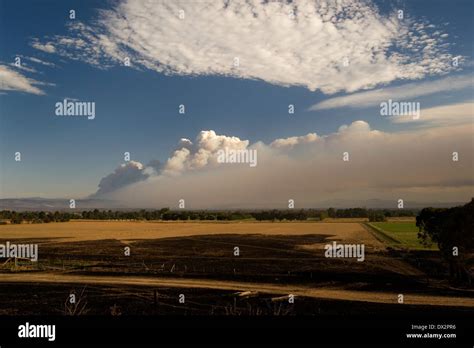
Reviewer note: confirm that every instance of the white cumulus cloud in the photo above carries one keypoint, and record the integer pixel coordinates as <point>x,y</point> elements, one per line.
<point>293,141</point>
<point>202,153</point>
<point>412,165</point>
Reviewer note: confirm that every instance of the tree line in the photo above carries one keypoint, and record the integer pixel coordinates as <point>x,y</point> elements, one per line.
<point>167,214</point>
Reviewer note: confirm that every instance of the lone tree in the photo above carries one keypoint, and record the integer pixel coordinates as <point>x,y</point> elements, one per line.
<point>453,230</point>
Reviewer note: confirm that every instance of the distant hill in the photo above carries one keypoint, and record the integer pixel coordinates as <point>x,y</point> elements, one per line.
<point>62,204</point>
<point>385,204</point>
<point>53,204</point>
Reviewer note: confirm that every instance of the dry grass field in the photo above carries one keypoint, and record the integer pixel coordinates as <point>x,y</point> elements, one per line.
<point>127,231</point>
<point>197,257</point>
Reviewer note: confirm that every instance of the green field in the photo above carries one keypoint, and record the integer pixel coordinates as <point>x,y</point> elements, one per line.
<point>402,234</point>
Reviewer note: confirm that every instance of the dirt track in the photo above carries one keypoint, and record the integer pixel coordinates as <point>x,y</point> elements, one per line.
<point>297,290</point>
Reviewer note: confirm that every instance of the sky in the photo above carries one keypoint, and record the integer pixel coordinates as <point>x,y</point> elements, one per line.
<point>236,67</point>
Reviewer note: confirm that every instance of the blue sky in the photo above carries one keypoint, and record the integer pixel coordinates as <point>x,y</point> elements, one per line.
<point>137,108</point>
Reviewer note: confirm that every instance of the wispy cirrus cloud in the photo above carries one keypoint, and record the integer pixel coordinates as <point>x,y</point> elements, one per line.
<point>441,116</point>
<point>406,91</point>
<point>12,80</point>
<point>302,43</point>
<point>23,67</point>
<point>40,61</point>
